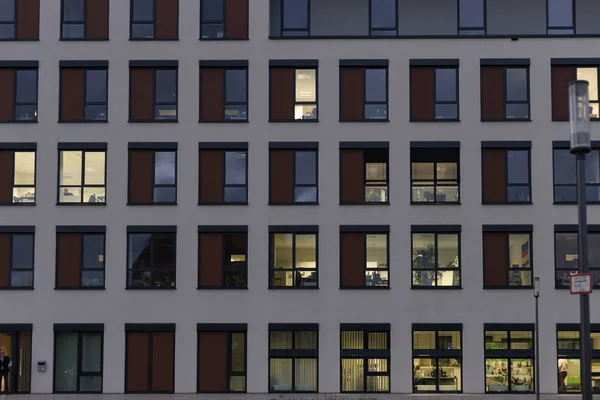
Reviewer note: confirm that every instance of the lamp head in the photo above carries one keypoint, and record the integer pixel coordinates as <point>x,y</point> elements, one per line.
<point>536,287</point>
<point>579,116</point>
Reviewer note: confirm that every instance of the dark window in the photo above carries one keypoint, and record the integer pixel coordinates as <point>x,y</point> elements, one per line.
<point>565,176</point>
<point>84,20</point>
<point>26,95</point>
<point>561,17</point>
<point>507,260</point>
<point>154,19</point>
<point>295,20</point>
<point>364,260</point>
<point>435,176</point>
<point>293,94</point>
<point>433,93</point>
<point>78,363</point>
<point>509,360</point>
<point>365,357</point>
<point>294,261</point>
<point>222,361</point>
<point>16,260</point>
<point>223,94</point>
<point>96,95</point>
<point>567,257</point>
<point>80,260</point>
<point>364,176</point>
<point>363,94</point>
<point>293,176</point>
<point>506,176</point>
<point>17,176</point>
<point>437,360</point>
<point>19,19</point>
<point>83,94</point>
<point>82,176</point>
<point>153,95</point>
<point>223,176</point>
<point>223,19</point>
<point>149,361</point>
<point>7,19</point>
<point>293,360</point>
<point>472,15</point>
<point>436,260</point>
<point>505,93</point>
<point>569,361</point>
<point>151,260</point>
<point>223,260</point>
<point>152,176</point>
<point>384,17</point>
<point>165,100</point>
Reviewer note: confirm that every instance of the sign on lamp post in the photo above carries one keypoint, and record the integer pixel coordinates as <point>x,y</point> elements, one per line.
<point>581,283</point>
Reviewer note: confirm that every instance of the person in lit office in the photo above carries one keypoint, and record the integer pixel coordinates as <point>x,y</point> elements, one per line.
<point>4,369</point>
<point>562,374</point>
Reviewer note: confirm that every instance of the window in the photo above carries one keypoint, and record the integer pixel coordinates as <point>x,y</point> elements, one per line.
<point>471,17</point>
<point>82,177</point>
<point>293,357</point>
<point>153,92</point>
<point>149,358</point>
<point>433,90</point>
<point>223,91</point>
<point>561,17</point>
<point>363,91</point>
<point>365,358</point>
<point>293,259</point>
<point>505,91</point>
<point>567,254</point>
<point>224,19</point>
<point>437,358</point>
<point>293,173</point>
<point>509,358</point>
<point>17,173</point>
<point>383,17</point>
<point>222,258</point>
<point>506,174</point>
<point>436,257</point>
<point>154,19</point>
<point>565,176</point>
<point>222,358</point>
<point>151,257</point>
<point>16,257</point>
<point>569,357</point>
<point>364,258</point>
<point>152,173</point>
<point>507,260</point>
<point>78,358</point>
<point>364,173</point>
<point>80,257</point>
<point>435,176</point>
<point>223,173</point>
<point>83,91</point>
<point>19,19</point>
<point>84,20</point>
<point>293,92</point>
<point>563,73</point>
<point>19,102</point>
<point>295,19</point>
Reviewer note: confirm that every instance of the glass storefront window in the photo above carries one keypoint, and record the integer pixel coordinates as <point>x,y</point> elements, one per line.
<point>361,373</point>
<point>509,375</point>
<point>437,374</point>
<point>496,375</point>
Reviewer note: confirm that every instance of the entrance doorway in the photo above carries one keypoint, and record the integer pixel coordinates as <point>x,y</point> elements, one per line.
<point>16,342</point>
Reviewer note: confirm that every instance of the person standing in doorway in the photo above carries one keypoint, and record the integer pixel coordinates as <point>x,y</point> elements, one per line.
<point>4,369</point>
<point>562,375</point>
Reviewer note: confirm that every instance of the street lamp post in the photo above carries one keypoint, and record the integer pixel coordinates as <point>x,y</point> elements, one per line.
<point>581,144</point>
<point>536,294</point>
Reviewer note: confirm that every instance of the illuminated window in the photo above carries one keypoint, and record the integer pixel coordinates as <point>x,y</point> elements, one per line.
<point>294,260</point>
<point>293,357</point>
<point>435,176</point>
<point>435,259</point>
<point>82,176</point>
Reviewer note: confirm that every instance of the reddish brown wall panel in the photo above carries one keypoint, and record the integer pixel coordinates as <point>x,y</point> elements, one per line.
<point>236,19</point>
<point>282,93</point>
<point>422,100</point>
<point>167,19</point>
<point>212,361</point>
<point>352,176</point>
<point>561,77</point>
<point>96,24</point>
<point>494,174</point>
<point>72,94</point>
<point>4,260</point>
<point>210,259</point>
<point>493,105</point>
<point>142,94</point>
<point>352,259</point>
<point>28,19</point>
<point>163,361</point>
<point>282,170</point>
<point>212,96</point>
<point>352,94</point>
<point>6,176</point>
<point>68,263</point>
<point>140,176</point>
<point>136,379</point>
<point>495,262</point>
<point>7,94</point>
<point>211,176</point>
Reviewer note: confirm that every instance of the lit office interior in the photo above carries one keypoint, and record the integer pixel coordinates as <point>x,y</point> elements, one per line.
<point>435,259</point>
<point>82,176</point>
<point>566,256</point>
<point>591,75</point>
<point>509,361</point>
<point>306,94</point>
<point>437,361</point>
<point>377,272</point>
<point>366,367</point>
<point>376,176</point>
<point>24,177</point>
<point>435,182</point>
<point>294,260</point>
<point>569,361</point>
<point>17,346</point>
<point>297,370</point>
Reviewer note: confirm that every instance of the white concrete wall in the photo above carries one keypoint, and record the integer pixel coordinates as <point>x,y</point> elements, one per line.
<point>258,306</point>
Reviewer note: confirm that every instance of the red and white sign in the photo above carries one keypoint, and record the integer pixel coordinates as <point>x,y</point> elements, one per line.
<point>581,283</point>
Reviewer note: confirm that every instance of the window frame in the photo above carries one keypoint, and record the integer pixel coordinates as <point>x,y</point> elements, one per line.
<point>294,232</point>
<point>595,148</point>
<point>79,372</point>
<point>576,353</point>
<point>436,269</point>
<point>467,29</point>
<point>156,103</point>
<point>283,29</point>
<point>13,152</point>
<point>365,269</point>
<point>592,269</point>
<point>225,185</point>
<point>294,354</point>
<point>132,22</point>
<point>517,102</point>
<point>507,150</point>
<point>437,102</point>
<point>561,28</point>
<point>17,104</point>
<point>11,268</point>
<point>82,233</point>
<point>152,269</point>
<point>82,186</point>
<point>234,103</point>
<point>387,175</point>
<point>82,22</point>
<point>227,330</point>
<point>13,23</point>
<point>386,29</point>
<point>300,103</point>
<point>508,232</point>
<point>436,181</point>
<point>163,185</point>
<point>224,232</point>
<point>94,103</point>
<point>377,103</point>
<point>305,185</point>
<point>214,22</point>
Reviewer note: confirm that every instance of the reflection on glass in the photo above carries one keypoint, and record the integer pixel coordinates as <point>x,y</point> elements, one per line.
<point>164,168</point>
<point>142,31</point>
<point>560,13</point>
<point>95,89</point>
<point>166,86</point>
<point>235,85</point>
<point>73,31</point>
<point>383,14</point>
<point>96,112</point>
<point>445,84</point>
<point>26,86</point>
<point>212,10</point>
<point>7,10</point>
<point>305,194</point>
<point>65,374</point>
<point>376,85</point>
<point>471,14</point>
<point>516,84</point>
<point>306,167</point>
<point>518,166</point>
<point>295,14</point>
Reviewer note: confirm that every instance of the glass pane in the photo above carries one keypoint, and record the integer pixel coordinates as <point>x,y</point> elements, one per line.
<point>521,340</point>
<point>91,352</point>
<point>283,278</point>
<point>447,171</point>
<point>90,383</point>
<point>164,168</point>
<point>7,10</point>
<point>235,195</point>
<point>24,173</point>
<point>595,340</point>
<point>93,251</point>
<point>73,31</point>
<point>24,195</point>
<point>306,85</point>
<point>94,195</point>
<point>306,340</point>
<point>65,373</point>
<point>235,86</point>
<point>237,112</point>
<point>376,85</point>
<point>295,14</point>
<point>422,171</point>
<point>73,10</point>
<point>518,194</point>
<point>568,340</point>
<point>27,86</point>
<point>143,10</point>
<point>383,14</point>
<point>280,374</point>
<point>519,248</point>
<point>165,112</point>
<point>69,195</point>
<point>238,344</point>
<point>70,168</point>
<point>376,252</point>
<point>517,111</point>
<point>590,75</point>
<point>592,167</point>
<point>305,111</point>
<point>305,194</point>
<point>235,168</point>
<point>142,31</point>
<point>564,167</point>
<point>95,113</point>
<point>352,340</point>
<point>376,194</point>
<point>281,340</point>
<point>376,111</point>
<point>423,251</point>
<point>516,84</point>
<point>378,383</point>
<point>163,278</point>
<point>377,341</point>
<point>166,86</point>
<point>92,278</point>
<point>282,256</point>
<point>95,86</point>
<point>425,374</point>
<point>165,195</point>
<point>569,375</point>
<point>237,384</point>
<point>164,250</point>
<point>518,166</point>
<point>450,371</point>
<point>496,375</point>
<point>213,31</point>
<point>21,278</point>
<point>448,251</point>
<point>446,111</point>
<point>384,33</point>
<point>471,13</point>
<point>353,375</point>
<point>306,251</point>
<point>448,340</point>
<point>445,84</point>
<point>306,168</point>
<point>212,10</point>
<point>305,375</point>
<point>139,251</point>
<point>496,340</point>
<point>95,162</point>
<point>25,113</point>
<point>521,375</point>
<point>560,13</point>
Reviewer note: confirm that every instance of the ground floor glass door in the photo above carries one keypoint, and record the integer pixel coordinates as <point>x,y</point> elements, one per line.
<point>17,346</point>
